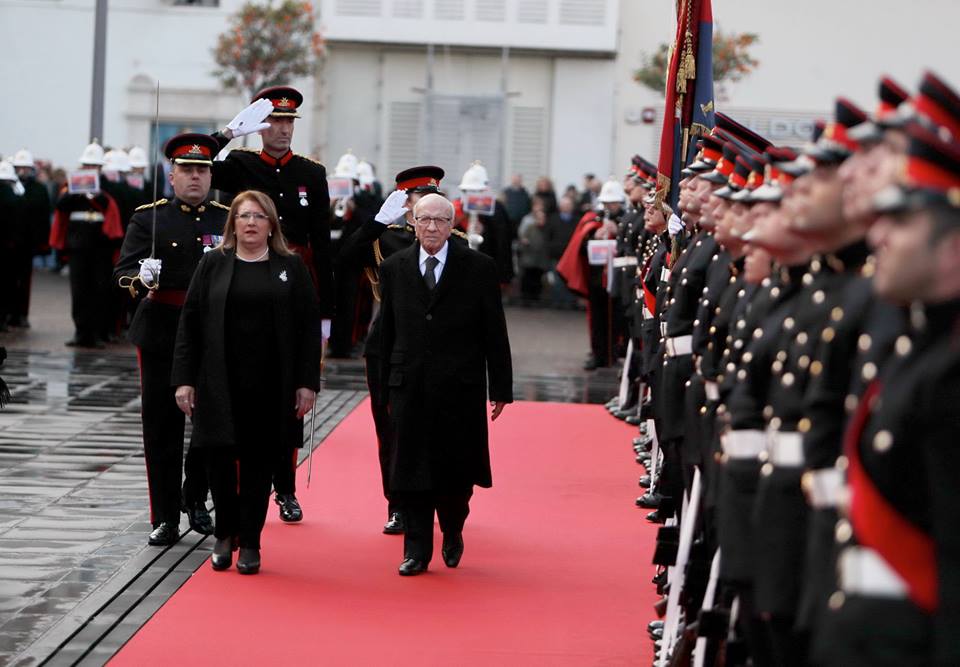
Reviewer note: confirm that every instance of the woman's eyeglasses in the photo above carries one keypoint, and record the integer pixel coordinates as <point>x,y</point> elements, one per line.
<point>259,217</point>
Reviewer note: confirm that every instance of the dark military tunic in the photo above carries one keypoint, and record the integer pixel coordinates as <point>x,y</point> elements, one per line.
<point>298,187</point>
<point>903,462</point>
<point>183,234</point>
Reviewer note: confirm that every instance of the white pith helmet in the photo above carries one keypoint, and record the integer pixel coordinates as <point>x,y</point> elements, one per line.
<point>612,191</point>
<point>138,158</point>
<point>346,166</point>
<point>475,178</point>
<point>92,154</point>
<point>23,158</point>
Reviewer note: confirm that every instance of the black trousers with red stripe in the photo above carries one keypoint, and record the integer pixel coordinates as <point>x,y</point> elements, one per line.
<point>163,424</point>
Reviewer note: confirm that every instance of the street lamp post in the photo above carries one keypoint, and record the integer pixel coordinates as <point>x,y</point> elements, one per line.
<point>99,69</point>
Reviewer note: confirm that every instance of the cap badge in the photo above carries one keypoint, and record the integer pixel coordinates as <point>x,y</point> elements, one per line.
<point>196,149</point>
<point>284,102</point>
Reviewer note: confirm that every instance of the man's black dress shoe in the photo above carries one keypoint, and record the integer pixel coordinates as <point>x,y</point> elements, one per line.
<point>656,623</point>
<point>248,562</point>
<point>199,519</point>
<point>633,420</point>
<point>645,481</point>
<point>394,525</point>
<point>290,511</point>
<point>452,549</point>
<point>222,557</point>
<point>165,534</point>
<point>590,364</point>
<point>650,501</point>
<point>643,458</point>
<point>655,634</point>
<point>411,567</point>
<point>85,342</point>
<point>654,517</point>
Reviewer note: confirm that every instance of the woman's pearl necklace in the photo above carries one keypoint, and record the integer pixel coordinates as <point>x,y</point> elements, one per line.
<point>256,259</point>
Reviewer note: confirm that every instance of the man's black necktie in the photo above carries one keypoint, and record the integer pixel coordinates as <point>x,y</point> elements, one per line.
<point>429,276</point>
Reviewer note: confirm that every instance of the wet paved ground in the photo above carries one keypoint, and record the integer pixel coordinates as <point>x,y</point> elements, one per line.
<point>76,576</point>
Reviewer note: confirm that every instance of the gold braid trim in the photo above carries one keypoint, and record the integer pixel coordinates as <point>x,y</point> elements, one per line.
<point>216,204</point>
<point>374,283</point>
<point>457,232</point>
<point>159,202</point>
<point>377,253</point>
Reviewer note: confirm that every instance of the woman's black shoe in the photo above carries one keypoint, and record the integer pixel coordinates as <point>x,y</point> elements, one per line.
<point>248,562</point>
<point>222,557</point>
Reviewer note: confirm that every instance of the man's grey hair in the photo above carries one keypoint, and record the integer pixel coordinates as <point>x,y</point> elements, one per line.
<point>432,197</point>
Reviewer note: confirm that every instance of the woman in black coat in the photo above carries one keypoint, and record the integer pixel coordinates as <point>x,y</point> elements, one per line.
<point>246,367</point>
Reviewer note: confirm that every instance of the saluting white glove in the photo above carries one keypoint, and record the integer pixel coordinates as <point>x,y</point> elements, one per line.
<point>150,271</point>
<point>674,225</point>
<point>393,208</point>
<point>18,188</point>
<point>251,119</point>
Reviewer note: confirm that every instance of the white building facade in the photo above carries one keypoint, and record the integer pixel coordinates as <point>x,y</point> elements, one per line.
<point>536,87</point>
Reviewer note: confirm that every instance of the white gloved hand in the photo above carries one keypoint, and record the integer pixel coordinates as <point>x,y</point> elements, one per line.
<point>674,225</point>
<point>325,329</point>
<point>393,208</point>
<point>18,188</point>
<point>251,119</point>
<point>150,271</point>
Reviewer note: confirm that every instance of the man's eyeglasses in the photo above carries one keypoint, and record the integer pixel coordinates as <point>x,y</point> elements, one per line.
<point>259,217</point>
<point>424,221</point>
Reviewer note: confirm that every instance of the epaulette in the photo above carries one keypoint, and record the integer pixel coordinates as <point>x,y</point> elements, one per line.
<point>216,204</point>
<point>404,226</point>
<point>310,159</point>
<point>457,232</point>
<point>159,202</point>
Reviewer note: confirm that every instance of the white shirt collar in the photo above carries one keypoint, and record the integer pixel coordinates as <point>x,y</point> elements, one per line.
<point>441,254</point>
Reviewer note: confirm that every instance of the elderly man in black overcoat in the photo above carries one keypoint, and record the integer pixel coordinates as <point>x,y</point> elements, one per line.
<point>443,337</point>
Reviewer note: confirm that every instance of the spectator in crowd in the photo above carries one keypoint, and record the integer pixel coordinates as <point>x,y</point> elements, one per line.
<point>558,230</point>
<point>547,193</point>
<point>534,258</point>
<point>572,192</point>
<point>591,189</point>
<point>517,201</point>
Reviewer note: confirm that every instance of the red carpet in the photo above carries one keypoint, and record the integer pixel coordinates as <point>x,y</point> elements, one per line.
<point>555,571</point>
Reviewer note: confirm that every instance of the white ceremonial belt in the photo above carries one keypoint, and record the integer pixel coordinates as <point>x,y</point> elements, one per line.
<point>86,216</point>
<point>824,487</point>
<point>679,346</point>
<point>743,444</point>
<point>663,328</point>
<point>865,572</point>
<point>336,234</point>
<point>620,262</point>
<point>712,389</point>
<point>647,315</point>
<point>785,448</point>
<point>664,275</point>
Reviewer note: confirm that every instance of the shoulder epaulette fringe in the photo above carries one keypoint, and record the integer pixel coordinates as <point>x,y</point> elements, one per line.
<point>457,232</point>
<point>310,159</point>
<point>159,202</point>
<point>216,204</point>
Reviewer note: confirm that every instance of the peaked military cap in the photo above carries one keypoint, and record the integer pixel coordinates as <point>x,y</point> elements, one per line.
<point>425,179</point>
<point>931,174</point>
<point>725,165</point>
<point>891,95</point>
<point>191,148</point>
<point>286,100</point>
<point>835,143</point>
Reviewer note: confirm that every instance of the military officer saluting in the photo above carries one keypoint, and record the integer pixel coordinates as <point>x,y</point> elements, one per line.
<point>163,245</point>
<point>298,187</point>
